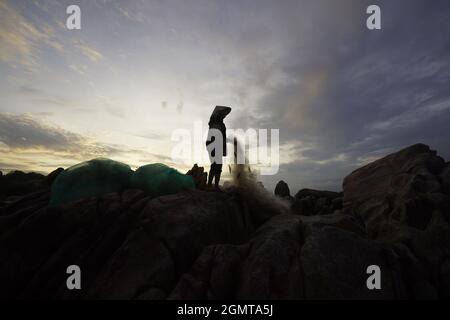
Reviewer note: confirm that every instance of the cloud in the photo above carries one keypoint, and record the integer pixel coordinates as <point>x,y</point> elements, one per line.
<point>24,37</point>
<point>28,91</point>
<point>28,142</point>
<point>350,95</point>
<point>136,16</point>
<point>93,54</point>
<point>411,117</point>
<point>20,39</point>
<point>42,98</point>
<point>26,132</point>
<point>340,94</point>
<point>150,135</point>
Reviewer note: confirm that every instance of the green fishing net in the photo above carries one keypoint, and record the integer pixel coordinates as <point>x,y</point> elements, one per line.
<point>158,179</point>
<point>100,176</point>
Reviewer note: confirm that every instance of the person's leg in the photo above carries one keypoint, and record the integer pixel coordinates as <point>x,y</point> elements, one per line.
<point>212,173</point>
<point>217,175</point>
<point>217,179</point>
<point>210,176</point>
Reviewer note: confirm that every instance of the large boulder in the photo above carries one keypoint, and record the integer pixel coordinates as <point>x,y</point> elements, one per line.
<point>401,189</point>
<point>308,202</point>
<point>402,200</point>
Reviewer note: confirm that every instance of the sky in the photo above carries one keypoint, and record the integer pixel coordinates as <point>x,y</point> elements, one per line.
<point>341,95</point>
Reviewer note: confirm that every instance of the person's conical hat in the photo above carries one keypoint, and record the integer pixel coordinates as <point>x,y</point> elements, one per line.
<point>220,112</point>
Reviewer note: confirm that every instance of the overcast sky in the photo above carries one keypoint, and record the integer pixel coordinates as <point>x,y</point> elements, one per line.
<point>340,94</point>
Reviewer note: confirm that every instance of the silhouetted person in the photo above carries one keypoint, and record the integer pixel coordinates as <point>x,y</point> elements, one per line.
<point>216,143</point>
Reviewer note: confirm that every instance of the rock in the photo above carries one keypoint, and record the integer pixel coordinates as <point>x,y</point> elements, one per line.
<point>317,194</point>
<point>309,202</point>
<point>332,272</point>
<point>304,206</point>
<point>125,251</point>
<point>445,178</point>
<point>337,204</point>
<point>241,242</point>
<point>200,177</point>
<point>323,206</point>
<point>305,258</point>
<point>394,190</point>
<point>444,287</point>
<point>402,200</point>
<point>18,183</point>
<point>282,190</point>
<point>213,275</point>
